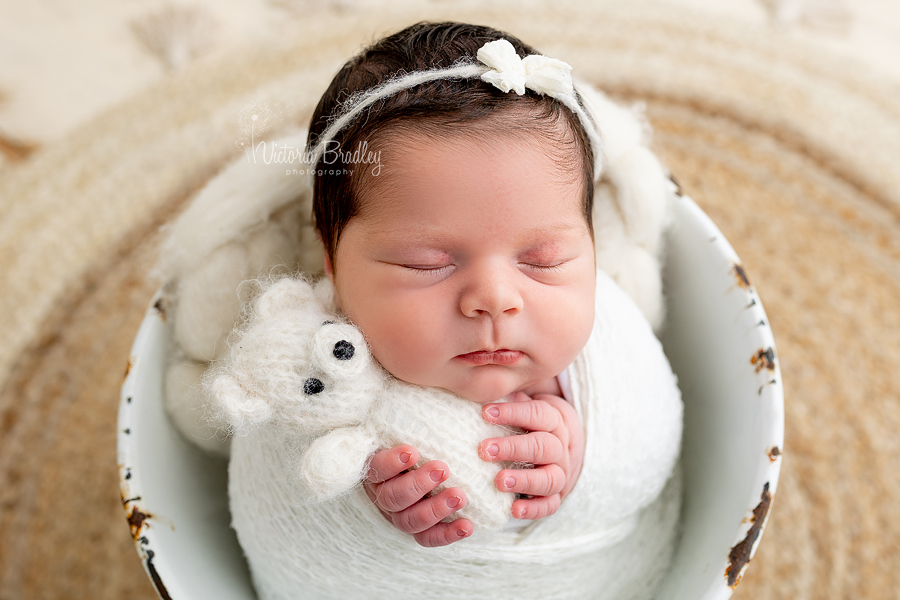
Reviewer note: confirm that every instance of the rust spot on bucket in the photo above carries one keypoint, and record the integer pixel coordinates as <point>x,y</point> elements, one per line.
<point>741,276</point>
<point>137,519</point>
<point>764,359</point>
<point>739,556</point>
<point>127,368</point>
<point>774,453</point>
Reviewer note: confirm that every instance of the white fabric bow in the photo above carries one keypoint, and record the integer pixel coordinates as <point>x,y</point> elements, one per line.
<point>536,72</point>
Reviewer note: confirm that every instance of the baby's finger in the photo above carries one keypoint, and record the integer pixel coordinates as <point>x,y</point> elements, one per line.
<point>443,534</point>
<point>535,508</point>
<point>430,511</point>
<point>545,480</point>
<point>537,447</point>
<point>403,491</point>
<point>386,464</point>
<point>531,415</point>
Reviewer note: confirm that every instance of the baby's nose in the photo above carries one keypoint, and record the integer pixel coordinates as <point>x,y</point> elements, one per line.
<point>493,292</point>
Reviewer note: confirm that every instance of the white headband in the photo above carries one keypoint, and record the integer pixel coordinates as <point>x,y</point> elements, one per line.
<point>501,67</point>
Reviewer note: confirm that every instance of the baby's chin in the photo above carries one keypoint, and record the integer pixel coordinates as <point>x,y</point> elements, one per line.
<point>483,384</point>
<point>484,398</point>
<point>484,390</point>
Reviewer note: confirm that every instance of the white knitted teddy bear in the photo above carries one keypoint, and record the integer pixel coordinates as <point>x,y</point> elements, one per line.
<point>300,368</point>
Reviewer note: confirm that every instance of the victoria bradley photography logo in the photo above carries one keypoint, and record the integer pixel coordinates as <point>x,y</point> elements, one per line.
<point>257,118</point>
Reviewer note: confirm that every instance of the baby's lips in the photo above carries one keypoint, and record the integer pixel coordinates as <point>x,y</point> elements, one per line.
<point>503,357</point>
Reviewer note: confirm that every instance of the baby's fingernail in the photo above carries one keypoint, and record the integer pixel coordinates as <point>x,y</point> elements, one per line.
<point>453,501</point>
<point>493,411</point>
<point>462,533</point>
<point>493,449</point>
<point>522,512</point>
<point>510,482</point>
<point>437,475</point>
<point>404,458</point>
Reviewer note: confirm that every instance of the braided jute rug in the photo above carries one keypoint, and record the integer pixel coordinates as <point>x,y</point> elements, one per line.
<point>793,153</point>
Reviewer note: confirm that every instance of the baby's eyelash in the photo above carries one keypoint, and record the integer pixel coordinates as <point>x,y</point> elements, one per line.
<point>546,268</point>
<point>419,270</point>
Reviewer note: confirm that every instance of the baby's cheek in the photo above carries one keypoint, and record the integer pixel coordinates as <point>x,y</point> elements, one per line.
<point>409,344</point>
<point>571,323</point>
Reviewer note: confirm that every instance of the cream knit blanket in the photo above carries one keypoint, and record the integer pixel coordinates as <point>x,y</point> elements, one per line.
<point>612,537</point>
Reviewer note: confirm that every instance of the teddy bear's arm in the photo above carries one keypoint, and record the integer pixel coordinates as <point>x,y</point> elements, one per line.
<point>336,462</point>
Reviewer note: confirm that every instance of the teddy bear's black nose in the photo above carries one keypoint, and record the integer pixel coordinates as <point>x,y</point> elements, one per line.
<point>343,350</point>
<point>313,386</point>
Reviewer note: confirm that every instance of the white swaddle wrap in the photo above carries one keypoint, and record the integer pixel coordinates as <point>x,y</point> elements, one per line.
<point>612,537</point>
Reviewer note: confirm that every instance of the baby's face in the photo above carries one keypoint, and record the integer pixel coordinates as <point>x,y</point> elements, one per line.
<point>470,266</point>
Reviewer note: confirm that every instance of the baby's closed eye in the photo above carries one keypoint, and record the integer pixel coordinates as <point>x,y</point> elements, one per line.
<point>429,270</point>
<point>423,262</point>
<point>553,267</point>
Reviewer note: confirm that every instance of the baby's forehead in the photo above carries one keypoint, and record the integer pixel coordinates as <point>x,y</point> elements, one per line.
<point>449,197</point>
<point>515,125</point>
<point>406,149</point>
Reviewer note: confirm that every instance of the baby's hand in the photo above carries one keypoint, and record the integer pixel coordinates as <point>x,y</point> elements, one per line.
<point>400,495</point>
<point>554,444</point>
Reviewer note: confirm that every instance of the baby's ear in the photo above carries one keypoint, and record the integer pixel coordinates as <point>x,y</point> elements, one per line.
<point>285,294</point>
<point>231,405</point>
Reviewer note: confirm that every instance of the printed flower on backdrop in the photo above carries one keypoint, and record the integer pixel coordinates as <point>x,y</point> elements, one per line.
<point>256,118</point>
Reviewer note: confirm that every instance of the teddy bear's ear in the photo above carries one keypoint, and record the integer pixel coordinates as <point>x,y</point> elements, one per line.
<point>285,294</point>
<point>233,406</point>
<point>324,291</point>
<point>340,350</point>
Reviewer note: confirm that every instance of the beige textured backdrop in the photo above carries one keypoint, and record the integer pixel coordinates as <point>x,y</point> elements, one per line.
<point>791,149</point>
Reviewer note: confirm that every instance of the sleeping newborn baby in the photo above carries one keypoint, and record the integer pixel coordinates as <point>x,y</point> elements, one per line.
<point>467,262</point>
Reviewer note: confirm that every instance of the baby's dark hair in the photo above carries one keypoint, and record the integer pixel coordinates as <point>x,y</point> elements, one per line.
<point>434,108</point>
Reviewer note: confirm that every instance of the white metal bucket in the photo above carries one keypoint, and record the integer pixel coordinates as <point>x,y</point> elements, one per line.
<point>719,344</point>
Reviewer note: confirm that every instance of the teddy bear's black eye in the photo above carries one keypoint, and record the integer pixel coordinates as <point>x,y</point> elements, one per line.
<point>313,386</point>
<point>343,350</point>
